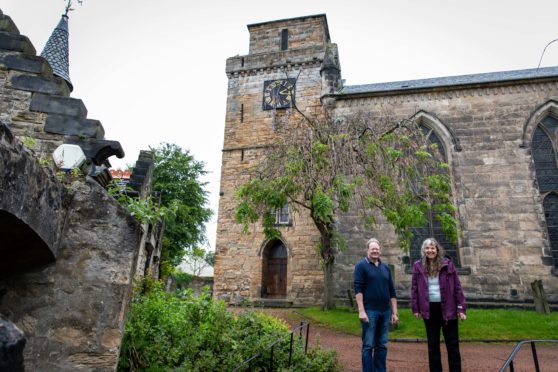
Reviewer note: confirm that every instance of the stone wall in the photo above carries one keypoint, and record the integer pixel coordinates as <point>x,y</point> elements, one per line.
<point>69,250</point>
<point>503,236</point>
<point>73,311</point>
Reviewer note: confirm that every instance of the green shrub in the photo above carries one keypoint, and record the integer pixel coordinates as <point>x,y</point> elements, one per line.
<point>168,331</point>
<point>182,279</point>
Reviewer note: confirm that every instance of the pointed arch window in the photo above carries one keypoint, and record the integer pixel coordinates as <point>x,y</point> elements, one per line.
<point>433,228</point>
<point>543,150</point>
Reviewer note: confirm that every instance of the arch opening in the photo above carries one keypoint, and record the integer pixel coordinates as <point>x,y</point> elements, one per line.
<point>274,270</point>
<point>21,248</point>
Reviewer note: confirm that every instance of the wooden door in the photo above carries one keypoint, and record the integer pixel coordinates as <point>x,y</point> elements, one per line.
<point>277,277</point>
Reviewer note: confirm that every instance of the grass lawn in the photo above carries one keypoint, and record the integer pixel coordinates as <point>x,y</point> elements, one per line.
<point>481,324</point>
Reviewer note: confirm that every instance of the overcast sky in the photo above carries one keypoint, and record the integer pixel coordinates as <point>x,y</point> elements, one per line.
<point>154,70</point>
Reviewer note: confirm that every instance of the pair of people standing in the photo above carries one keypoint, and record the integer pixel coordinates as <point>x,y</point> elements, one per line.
<point>436,296</point>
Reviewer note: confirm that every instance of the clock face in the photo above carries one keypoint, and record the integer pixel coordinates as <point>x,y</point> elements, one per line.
<point>278,94</point>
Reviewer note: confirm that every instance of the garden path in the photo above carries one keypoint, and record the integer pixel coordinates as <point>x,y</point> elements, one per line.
<point>412,356</point>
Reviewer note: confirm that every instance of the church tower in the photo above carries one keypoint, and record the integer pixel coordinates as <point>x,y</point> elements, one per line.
<point>289,61</point>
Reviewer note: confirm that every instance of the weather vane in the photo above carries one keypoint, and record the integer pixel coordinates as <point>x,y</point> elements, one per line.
<point>69,6</point>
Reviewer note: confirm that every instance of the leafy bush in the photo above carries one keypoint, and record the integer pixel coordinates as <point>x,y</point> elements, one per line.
<point>182,279</point>
<point>166,331</point>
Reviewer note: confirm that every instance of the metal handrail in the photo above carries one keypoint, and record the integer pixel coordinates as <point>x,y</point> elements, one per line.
<point>509,361</point>
<point>272,347</point>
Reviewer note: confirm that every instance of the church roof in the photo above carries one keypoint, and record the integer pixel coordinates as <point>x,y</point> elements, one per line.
<point>56,51</point>
<point>452,81</point>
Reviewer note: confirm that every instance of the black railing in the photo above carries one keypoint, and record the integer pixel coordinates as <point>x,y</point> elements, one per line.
<point>248,363</point>
<point>509,361</point>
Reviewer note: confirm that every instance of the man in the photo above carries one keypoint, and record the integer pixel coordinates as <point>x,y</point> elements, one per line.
<point>377,305</point>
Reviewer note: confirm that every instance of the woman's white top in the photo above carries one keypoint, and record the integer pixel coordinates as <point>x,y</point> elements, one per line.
<point>434,289</point>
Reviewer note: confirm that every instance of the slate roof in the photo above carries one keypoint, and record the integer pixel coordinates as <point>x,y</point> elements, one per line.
<point>56,51</point>
<point>490,77</point>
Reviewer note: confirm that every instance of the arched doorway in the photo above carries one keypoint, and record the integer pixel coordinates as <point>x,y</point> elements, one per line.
<point>21,248</point>
<point>274,270</point>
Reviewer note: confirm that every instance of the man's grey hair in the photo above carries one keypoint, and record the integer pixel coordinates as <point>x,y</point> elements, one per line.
<point>373,240</point>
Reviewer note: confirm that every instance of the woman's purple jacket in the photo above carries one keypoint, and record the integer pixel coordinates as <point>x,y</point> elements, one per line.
<point>453,300</point>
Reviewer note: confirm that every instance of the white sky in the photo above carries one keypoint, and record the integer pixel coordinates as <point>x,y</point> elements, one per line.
<point>154,71</point>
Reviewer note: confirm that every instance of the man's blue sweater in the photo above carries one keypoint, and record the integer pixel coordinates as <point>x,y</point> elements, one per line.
<point>375,284</point>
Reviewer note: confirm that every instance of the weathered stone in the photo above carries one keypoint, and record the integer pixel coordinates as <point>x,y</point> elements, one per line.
<point>69,250</point>
<point>12,343</point>
<point>65,106</point>
<point>39,84</point>
<point>26,63</point>
<point>30,205</point>
<point>15,42</point>
<point>97,150</point>
<point>70,126</point>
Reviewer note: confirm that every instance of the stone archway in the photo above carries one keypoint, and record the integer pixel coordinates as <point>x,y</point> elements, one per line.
<point>31,209</point>
<point>21,248</point>
<point>274,269</point>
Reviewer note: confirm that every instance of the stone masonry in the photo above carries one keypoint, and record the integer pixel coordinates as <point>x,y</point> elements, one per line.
<point>69,251</point>
<point>485,122</point>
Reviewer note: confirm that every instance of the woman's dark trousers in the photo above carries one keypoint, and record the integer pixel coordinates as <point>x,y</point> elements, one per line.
<point>451,337</point>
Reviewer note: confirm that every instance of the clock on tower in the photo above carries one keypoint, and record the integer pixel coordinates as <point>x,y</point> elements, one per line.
<point>278,94</point>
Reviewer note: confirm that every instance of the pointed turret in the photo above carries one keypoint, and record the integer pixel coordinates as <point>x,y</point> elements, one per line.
<point>56,51</point>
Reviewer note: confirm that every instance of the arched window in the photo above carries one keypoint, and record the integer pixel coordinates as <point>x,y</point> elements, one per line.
<point>543,149</point>
<point>433,228</point>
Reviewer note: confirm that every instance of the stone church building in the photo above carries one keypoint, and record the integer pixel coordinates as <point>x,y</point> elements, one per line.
<point>497,132</point>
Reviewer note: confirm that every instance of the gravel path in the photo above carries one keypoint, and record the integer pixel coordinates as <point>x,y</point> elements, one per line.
<point>410,357</point>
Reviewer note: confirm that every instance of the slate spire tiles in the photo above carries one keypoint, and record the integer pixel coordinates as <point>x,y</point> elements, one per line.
<point>56,51</point>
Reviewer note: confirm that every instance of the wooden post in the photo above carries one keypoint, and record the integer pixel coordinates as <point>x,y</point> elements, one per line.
<point>352,300</point>
<point>539,297</point>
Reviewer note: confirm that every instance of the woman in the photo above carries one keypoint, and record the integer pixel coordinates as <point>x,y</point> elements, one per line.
<point>437,297</point>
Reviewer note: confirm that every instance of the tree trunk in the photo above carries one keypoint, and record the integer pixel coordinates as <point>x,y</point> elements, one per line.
<point>329,301</point>
<point>327,251</point>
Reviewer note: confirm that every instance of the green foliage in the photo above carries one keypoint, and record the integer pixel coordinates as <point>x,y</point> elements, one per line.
<point>144,210</point>
<point>182,332</point>
<point>176,175</point>
<point>322,206</point>
<point>182,279</point>
<point>29,142</point>
<point>45,162</point>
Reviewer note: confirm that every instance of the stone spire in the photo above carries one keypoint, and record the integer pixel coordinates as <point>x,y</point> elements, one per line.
<point>56,51</point>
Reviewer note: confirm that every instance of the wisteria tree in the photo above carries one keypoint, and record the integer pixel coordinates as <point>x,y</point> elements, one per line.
<point>326,164</point>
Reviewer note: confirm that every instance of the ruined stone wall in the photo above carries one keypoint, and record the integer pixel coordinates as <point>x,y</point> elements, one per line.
<point>73,311</point>
<point>69,250</point>
<point>503,236</point>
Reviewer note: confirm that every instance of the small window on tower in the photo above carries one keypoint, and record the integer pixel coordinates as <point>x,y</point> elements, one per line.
<point>284,39</point>
<point>282,215</point>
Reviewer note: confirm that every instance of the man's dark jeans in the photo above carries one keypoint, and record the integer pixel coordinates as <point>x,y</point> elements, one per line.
<point>374,341</point>
<point>451,337</point>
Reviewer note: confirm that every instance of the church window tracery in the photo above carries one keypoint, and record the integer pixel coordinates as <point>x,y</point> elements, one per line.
<point>543,149</point>
<point>433,228</point>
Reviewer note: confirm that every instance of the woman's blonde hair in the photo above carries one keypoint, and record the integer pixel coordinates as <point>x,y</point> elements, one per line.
<point>432,267</point>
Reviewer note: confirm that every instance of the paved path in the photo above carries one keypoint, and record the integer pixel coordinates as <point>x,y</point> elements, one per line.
<point>413,357</point>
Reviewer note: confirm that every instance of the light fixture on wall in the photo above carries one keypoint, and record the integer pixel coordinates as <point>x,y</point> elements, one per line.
<point>67,157</point>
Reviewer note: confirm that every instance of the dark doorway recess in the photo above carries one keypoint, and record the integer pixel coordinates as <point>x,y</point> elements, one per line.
<point>21,248</point>
<point>274,265</point>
